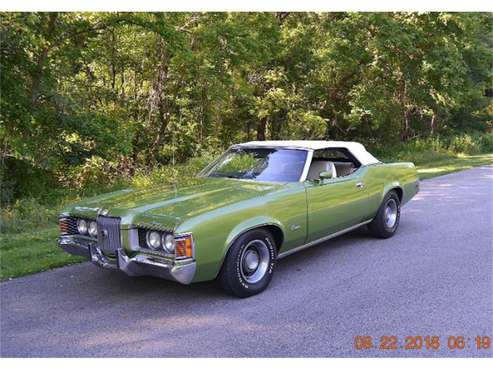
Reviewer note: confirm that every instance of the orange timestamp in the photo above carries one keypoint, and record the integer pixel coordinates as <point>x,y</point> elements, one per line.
<point>419,342</point>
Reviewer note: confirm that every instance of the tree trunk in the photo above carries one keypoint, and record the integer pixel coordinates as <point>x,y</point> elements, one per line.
<point>261,128</point>
<point>113,66</point>
<point>405,131</point>
<point>403,99</point>
<point>281,16</point>
<point>158,100</point>
<point>433,123</point>
<point>37,74</point>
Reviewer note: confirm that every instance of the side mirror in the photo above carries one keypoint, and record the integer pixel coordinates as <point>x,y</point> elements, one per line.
<point>325,175</point>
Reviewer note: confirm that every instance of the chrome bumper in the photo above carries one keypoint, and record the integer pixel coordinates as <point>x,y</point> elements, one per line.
<point>139,265</point>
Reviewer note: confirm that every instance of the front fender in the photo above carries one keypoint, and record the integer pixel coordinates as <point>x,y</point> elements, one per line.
<point>243,227</point>
<point>214,238</point>
<point>250,224</point>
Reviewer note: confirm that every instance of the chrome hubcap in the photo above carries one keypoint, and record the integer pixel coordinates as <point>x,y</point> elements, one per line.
<point>254,261</point>
<point>251,260</point>
<point>390,214</point>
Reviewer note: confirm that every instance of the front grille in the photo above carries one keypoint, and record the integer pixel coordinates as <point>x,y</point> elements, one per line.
<point>108,234</point>
<point>68,226</point>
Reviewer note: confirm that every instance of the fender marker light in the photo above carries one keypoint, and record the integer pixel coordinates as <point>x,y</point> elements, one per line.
<point>184,246</point>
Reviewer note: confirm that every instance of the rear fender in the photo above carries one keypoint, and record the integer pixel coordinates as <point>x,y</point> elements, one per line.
<point>390,186</point>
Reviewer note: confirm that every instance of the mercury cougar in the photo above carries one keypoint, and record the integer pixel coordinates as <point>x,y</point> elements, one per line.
<point>258,202</point>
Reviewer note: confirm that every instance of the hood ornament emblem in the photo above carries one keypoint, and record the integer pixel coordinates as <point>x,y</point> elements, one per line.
<point>102,212</point>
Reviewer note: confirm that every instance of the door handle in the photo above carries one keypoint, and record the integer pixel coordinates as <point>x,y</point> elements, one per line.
<point>360,185</point>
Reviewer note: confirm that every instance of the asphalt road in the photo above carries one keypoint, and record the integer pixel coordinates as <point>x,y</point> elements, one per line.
<point>433,278</point>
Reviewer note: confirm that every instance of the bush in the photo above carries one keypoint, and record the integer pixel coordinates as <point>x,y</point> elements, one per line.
<point>27,213</point>
<point>19,178</point>
<point>97,175</point>
<point>471,144</point>
<point>486,143</point>
<point>167,175</point>
<point>423,150</point>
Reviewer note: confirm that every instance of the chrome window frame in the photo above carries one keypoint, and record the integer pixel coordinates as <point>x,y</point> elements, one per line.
<point>308,163</point>
<point>304,173</point>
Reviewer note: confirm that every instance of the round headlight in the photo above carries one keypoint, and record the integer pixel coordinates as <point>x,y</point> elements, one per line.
<point>169,243</point>
<point>153,239</point>
<point>93,229</point>
<point>82,226</point>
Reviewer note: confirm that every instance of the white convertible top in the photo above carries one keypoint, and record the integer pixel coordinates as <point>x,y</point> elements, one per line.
<point>357,149</point>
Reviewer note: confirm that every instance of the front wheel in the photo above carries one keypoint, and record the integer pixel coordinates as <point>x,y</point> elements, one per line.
<point>385,223</point>
<point>249,264</point>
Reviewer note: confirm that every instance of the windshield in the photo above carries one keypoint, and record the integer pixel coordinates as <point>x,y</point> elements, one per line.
<point>262,164</point>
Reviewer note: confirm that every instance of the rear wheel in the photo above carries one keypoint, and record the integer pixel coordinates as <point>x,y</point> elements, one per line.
<point>386,222</point>
<point>249,264</point>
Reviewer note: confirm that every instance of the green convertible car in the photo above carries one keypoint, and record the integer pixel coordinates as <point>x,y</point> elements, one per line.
<point>258,202</point>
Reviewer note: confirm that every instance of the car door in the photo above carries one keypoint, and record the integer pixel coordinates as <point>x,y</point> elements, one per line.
<point>336,204</point>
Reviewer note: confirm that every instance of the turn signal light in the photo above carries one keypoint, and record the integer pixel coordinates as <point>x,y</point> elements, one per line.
<point>64,226</point>
<point>184,246</point>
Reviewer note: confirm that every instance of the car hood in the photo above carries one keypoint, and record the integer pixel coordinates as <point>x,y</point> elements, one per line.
<point>168,205</point>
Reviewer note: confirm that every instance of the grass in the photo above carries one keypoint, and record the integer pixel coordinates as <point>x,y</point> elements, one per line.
<point>449,165</point>
<point>29,252</point>
<point>23,253</point>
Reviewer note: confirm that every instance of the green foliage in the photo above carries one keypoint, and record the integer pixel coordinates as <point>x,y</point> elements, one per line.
<point>92,102</point>
<point>26,214</point>
<point>471,144</point>
<point>238,163</point>
<point>448,165</point>
<point>88,100</point>
<point>432,149</point>
<point>95,174</point>
<point>181,174</point>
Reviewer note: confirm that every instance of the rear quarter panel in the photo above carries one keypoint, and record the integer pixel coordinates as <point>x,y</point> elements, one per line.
<point>383,177</point>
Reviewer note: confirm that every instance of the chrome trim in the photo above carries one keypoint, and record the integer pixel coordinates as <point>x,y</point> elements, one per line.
<point>133,238</point>
<point>159,267</point>
<point>312,243</point>
<point>390,213</point>
<point>228,246</point>
<point>309,156</point>
<point>82,237</point>
<point>294,227</point>
<point>290,147</point>
<point>154,226</point>
<point>99,259</point>
<point>134,246</point>
<point>308,162</point>
<point>254,262</point>
<point>182,271</point>
<point>72,245</point>
<point>184,236</point>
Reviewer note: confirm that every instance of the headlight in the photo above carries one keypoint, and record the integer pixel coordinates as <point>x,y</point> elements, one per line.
<point>169,243</point>
<point>82,226</point>
<point>153,239</point>
<point>93,229</point>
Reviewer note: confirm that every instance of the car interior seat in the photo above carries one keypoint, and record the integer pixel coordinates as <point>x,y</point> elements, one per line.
<point>344,168</point>
<point>320,166</point>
